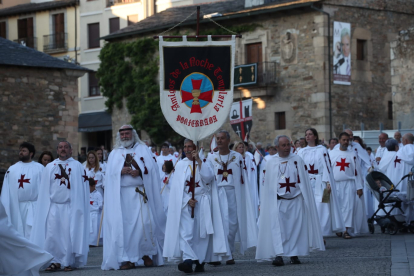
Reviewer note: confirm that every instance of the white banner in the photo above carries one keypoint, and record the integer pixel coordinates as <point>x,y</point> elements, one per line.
<point>196,85</point>
<point>342,53</point>
<point>241,118</point>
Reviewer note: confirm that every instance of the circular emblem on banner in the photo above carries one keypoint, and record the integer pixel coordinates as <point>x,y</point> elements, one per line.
<point>196,91</point>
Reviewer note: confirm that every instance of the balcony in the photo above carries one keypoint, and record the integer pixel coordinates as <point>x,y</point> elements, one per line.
<point>120,2</point>
<point>259,78</point>
<point>55,43</point>
<point>28,42</point>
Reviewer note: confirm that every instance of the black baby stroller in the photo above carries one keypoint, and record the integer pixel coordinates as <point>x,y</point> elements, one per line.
<point>386,198</point>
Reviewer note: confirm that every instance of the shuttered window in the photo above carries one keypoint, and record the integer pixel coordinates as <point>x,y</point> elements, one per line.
<point>113,25</point>
<point>25,28</point>
<point>132,19</point>
<point>93,35</point>
<point>3,33</point>
<point>254,55</point>
<point>280,120</point>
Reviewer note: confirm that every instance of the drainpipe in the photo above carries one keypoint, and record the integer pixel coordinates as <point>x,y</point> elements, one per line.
<point>329,67</point>
<point>76,36</point>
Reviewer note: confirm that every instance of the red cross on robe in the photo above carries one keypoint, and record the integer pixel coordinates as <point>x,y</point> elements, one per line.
<point>196,95</point>
<point>62,179</point>
<point>287,184</point>
<point>85,177</point>
<point>342,164</point>
<point>191,187</point>
<point>225,172</point>
<point>22,180</point>
<point>91,202</point>
<point>312,169</point>
<point>396,161</point>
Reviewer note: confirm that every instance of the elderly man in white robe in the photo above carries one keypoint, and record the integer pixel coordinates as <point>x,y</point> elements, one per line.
<point>20,190</point>
<point>18,256</point>
<point>289,223</point>
<point>382,138</point>
<point>349,188</point>
<point>191,238</point>
<point>134,219</point>
<point>234,195</point>
<point>61,224</point>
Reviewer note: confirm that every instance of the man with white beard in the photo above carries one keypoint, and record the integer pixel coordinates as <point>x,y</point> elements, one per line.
<point>289,223</point>
<point>349,188</point>
<point>20,190</point>
<point>190,238</point>
<point>234,194</point>
<point>134,219</point>
<point>61,224</point>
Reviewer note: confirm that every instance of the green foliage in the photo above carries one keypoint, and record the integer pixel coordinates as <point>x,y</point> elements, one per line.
<point>129,70</point>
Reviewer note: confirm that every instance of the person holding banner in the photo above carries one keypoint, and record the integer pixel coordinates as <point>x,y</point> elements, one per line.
<point>321,178</point>
<point>187,238</point>
<point>234,194</point>
<point>134,218</point>
<point>250,169</point>
<point>289,223</point>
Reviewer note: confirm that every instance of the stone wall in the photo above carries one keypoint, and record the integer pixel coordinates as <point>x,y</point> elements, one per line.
<point>402,79</point>
<point>39,106</point>
<point>366,99</point>
<point>301,87</point>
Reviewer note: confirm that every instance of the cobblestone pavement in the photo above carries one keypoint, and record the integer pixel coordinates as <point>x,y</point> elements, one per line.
<point>363,255</point>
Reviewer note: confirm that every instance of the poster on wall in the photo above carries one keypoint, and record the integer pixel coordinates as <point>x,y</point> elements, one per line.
<point>241,118</point>
<point>342,53</point>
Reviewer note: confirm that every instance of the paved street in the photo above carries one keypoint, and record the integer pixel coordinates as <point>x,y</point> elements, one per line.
<point>377,254</point>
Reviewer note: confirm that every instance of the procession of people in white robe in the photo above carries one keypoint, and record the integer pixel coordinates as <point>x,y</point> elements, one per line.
<point>208,205</point>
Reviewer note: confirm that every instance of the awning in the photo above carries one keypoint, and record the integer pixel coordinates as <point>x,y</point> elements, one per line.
<point>92,122</point>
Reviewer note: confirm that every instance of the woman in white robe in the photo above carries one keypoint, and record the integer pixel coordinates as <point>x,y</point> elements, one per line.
<point>319,170</point>
<point>94,170</point>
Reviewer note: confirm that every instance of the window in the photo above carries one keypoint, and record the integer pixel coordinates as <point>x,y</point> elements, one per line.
<point>25,32</point>
<point>280,120</point>
<point>93,85</point>
<point>58,30</point>
<point>132,19</point>
<point>3,29</point>
<point>390,110</point>
<point>113,25</point>
<point>93,35</point>
<point>361,49</point>
<point>254,55</point>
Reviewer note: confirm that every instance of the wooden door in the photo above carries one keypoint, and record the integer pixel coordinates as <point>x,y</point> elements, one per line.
<point>254,55</point>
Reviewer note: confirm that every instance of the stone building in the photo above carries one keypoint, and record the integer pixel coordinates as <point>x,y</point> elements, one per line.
<point>402,79</point>
<point>39,101</point>
<point>292,46</point>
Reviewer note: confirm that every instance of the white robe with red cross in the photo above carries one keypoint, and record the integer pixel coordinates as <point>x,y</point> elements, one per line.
<point>289,223</point>
<point>19,194</point>
<point>346,173</point>
<point>61,224</point>
<point>95,208</point>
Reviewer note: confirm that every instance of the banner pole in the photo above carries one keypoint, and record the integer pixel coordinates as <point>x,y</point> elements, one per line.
<point>198,22</point>
<point>193,180</point>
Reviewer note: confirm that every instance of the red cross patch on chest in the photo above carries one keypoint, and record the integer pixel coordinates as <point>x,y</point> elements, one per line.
<point>342,164</point>
<point>287,184</point>
<point>22,180</point>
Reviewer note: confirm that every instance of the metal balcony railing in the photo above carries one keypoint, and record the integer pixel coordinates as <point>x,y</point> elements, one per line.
<point>28,42</point>
<point>266,73</point>
<point>120,2</point>
<point>54,43</point>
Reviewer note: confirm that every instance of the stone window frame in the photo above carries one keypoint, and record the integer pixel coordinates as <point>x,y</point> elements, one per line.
<point>257,36</point>
<point>361,65</point>
<point>29,15</point>
<point>65,17</point>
